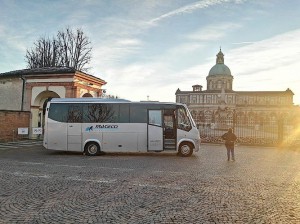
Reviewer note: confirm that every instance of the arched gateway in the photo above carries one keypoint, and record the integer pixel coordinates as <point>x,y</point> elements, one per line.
<point>30,89</point>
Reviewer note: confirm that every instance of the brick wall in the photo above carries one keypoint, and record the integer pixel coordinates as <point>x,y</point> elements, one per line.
<point>10,121</point>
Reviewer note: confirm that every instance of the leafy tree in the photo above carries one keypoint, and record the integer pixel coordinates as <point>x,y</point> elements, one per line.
<point>69,48</point>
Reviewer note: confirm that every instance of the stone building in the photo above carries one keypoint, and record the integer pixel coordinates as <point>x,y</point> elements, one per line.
<point>29,89</point>
<point>220,102</point>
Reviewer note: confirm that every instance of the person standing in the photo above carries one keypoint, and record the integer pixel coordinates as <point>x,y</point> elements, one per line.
<point>229,138</point>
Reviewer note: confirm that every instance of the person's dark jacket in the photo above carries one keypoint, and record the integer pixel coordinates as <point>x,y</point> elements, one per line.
<point>229,138</point>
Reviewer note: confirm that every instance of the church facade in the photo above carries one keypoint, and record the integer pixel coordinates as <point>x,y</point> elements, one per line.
<point>220,107</point>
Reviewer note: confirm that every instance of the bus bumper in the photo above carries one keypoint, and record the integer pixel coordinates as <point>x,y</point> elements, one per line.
<point>197,145</point>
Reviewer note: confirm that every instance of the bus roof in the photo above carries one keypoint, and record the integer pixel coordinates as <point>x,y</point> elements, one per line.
<point>88,99</point>
<point>103,100</point>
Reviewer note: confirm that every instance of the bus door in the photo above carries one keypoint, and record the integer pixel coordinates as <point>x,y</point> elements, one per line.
<point>170,131</point>
<point>155,130</point>
<point>74,127</point>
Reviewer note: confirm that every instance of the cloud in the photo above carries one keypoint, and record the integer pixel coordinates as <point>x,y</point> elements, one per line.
<point>266,55</point>
<point>213,32</point>
<point>12,40</point>
<point>192,7</point>
<point>186,48</point>
<point>135,81</point>
<point>244,43</point>
<point>129,42</point>
<point>110,52</point>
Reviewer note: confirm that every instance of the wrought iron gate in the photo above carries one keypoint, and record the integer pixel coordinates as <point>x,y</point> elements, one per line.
<point>251,130</point>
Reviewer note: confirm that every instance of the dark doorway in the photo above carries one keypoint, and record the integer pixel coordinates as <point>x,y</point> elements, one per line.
<point>170,131</point>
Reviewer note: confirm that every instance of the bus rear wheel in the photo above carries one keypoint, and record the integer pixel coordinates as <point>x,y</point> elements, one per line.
<point>92,149</point>
<point>185,149</point>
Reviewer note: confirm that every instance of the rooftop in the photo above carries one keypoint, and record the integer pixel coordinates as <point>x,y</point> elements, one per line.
<point>45,71</point>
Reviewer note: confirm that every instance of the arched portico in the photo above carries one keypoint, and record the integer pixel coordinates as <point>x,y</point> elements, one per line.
<point>37,108</point>
<point>87,95</point>
<point>27,90</point>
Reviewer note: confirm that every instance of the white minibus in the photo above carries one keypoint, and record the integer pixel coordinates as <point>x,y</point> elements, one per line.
<point>92,125</point>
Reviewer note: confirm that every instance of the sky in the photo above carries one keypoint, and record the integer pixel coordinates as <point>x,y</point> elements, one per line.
<point>147,49</point>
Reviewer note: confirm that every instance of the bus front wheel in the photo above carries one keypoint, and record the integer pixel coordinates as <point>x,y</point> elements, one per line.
<point>185,149</point>
<point>92,149</point>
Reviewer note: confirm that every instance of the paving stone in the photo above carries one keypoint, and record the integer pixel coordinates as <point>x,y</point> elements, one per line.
<point>40,186</point>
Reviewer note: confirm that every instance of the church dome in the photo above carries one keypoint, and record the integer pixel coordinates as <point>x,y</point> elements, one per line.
<point>219,77</point>
<point>219,68</point>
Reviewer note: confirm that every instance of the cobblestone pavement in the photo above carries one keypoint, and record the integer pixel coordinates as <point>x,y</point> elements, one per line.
<point>18,144</point>
<point>40,186</point>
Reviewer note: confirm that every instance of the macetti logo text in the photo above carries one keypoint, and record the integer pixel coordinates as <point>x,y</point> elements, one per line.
<point>101,127</point>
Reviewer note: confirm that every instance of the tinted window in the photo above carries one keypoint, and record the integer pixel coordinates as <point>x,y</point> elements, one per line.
<point>75,113</point>
<point>101,113</point>
<point>58,112</point>
<point>124,113</point>
<point>138,113</point>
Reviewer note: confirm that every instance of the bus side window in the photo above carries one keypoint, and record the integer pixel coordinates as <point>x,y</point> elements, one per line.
<point>124,113</point>
<point>114,111</point>
<point>58,112</point>
<point>75,113</point>
<point>100,113</point>
<point>183,120</point>
<point>138,113</point>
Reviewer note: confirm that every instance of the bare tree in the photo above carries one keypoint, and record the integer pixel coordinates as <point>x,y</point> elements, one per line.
<point>69,49</point>
<point>75,48</point>
<point>44,54</point>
